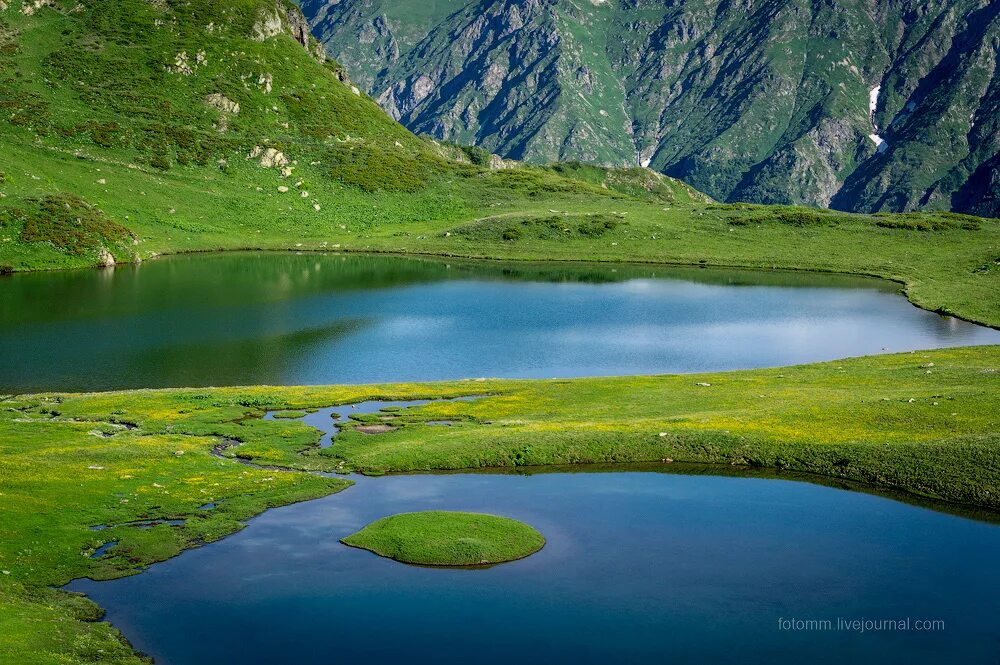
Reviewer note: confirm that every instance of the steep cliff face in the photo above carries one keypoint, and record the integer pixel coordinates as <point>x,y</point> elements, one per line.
<point>859,105</point>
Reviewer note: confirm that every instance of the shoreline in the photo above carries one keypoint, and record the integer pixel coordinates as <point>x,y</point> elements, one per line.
<point>904,287</point>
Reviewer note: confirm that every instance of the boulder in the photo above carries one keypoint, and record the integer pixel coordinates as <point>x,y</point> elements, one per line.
<point>105,259</point>
<point>273,158</point>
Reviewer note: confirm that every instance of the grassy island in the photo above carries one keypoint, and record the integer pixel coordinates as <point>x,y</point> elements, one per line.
<point>443,538</point>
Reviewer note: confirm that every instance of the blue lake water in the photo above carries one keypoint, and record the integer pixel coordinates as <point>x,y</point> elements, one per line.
<point>242,319</point>
<point>638,567</point>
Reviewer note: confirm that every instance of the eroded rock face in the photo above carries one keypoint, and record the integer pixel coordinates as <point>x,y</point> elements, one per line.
<point>267,25</point>
<point>298,27</point>
<point>277,20</point>
<point>697,90</point>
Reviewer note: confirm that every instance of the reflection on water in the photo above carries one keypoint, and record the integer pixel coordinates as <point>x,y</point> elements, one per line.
<point>638,567</point>
<point>318,319</point>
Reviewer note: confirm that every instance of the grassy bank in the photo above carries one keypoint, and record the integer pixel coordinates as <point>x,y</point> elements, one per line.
<point>922,423</point>
<point>443,538</point>
<point>946,263</point>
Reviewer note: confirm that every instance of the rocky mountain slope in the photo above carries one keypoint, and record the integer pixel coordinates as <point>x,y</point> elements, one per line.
<point>861,105</point>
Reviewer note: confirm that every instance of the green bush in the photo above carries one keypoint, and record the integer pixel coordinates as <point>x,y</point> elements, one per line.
<point>71,224</point>
<point>928,222</point>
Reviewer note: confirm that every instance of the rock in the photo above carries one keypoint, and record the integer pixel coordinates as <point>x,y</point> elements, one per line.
<point>266,81</point>
<point>181,65</point>
<point>272,158</point>
<point>105,259</point>
<point>283,190</point>
<point>316,207</point>
<point>498,163</point>
<point>222,103</point>
<point>298,26</point>
<point>704,385</point>
<point>267,25</point>
<point>102,181</point>
<point>32,6</point>
<point>286,171</point>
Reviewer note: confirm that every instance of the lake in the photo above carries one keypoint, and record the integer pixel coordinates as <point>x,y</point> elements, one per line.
<point>638,567</point>
<point>281,318</point>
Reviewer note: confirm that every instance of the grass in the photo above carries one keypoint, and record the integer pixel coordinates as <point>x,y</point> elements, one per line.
<point>444,538</point>
<point>921,423</point>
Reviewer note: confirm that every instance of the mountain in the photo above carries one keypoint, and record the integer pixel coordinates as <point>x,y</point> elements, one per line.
<point>860,105</point>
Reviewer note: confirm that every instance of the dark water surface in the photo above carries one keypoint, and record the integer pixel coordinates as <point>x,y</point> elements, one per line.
<point>318,319</point>
<point>638,567</point>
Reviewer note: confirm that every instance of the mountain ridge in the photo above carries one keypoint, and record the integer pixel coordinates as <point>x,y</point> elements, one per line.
<point>763,100</point>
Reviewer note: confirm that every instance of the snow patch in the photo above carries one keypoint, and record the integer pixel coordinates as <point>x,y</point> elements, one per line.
<point>873,102</point>
<point>873,95</point>
<point>880,144</point>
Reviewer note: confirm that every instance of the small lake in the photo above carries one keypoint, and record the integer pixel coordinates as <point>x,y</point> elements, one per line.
<point>280,318</point>
<point>638,567</point>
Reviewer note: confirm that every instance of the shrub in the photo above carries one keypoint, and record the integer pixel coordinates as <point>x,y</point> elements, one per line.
<point>928,222</point>
<point>71,224</point>
<point>545,227</point>
<point>373,169</point>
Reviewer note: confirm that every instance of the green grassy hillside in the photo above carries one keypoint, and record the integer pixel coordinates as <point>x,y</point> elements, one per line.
<point>145,127</point>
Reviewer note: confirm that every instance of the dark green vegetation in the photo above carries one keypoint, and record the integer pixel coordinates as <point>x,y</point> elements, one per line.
<point>765,101</point>
<point>443,538</point>
<point>923,423</point>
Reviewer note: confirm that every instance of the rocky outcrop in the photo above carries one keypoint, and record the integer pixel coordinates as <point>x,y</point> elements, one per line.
<point>222,103</point>
<point>861,105</point>
<point>31,6</point>
<point>269,158</point>
<point>268,24</point>
<point>105,259</point>
<point>281,19</point>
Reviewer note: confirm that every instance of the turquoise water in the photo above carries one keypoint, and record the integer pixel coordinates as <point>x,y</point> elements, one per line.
<point>638,567</point>
<point>319,319</point>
